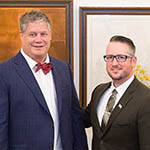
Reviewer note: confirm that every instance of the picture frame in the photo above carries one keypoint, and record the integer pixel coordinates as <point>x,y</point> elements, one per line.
<point>60,15</point>
<point>97,26</point>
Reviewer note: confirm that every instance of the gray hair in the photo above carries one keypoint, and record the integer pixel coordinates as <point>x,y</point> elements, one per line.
<point>123,39</point>
<point>33,16</point>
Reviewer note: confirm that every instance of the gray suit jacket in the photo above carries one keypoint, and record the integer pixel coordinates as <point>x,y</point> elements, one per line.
<point>128,127</point>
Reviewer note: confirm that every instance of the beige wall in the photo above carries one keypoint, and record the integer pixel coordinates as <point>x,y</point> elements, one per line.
<point>95,3</point>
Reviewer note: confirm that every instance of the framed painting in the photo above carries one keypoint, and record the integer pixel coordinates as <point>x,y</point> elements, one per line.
<point>60,15</point>
<point>97,26</point>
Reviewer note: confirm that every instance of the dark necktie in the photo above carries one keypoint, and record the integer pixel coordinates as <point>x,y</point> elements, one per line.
<point>109,108</point>
<point>46,67</point>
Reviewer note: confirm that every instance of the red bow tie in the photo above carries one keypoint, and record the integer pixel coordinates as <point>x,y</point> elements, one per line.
<point>46,67</point>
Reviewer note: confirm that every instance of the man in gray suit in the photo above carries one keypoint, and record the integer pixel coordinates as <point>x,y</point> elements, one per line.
<point>127,125</point>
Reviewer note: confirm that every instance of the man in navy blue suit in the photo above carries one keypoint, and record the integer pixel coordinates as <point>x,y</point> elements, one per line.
<point>39,108</point>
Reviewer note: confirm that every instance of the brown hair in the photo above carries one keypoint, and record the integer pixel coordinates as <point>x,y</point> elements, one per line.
<point>33,16</point>
<point>123,39</point>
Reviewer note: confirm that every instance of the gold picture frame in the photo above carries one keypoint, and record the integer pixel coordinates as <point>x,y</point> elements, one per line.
<point>108,15</point>
<point>60,14</point>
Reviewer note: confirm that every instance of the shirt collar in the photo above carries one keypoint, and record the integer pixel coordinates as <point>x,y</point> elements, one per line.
<point>32,63</point>
<point>122,88</point>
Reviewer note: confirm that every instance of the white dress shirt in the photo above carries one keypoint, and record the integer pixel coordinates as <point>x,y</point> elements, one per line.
<point>47,86</point>
<point>105,97</point>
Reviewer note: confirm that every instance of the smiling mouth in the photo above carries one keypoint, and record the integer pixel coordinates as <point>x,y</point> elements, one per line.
<point>115,70</point>
<point>38,46</point>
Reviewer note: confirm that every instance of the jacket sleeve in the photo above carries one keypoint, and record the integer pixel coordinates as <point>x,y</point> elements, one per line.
<point>86,116</point>
<point>4,106</point>
<point>86,112</point>
<point>144,125</point>
<point>79,135</point>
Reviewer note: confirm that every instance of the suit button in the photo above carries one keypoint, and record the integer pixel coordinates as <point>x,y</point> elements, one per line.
<point>101,142</point>
<point>62,141</point>
<point>52,125</point>
<point>51,146</point>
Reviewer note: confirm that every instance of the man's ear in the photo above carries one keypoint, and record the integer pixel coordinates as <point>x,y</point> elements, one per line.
<point>21,36</point>
<point>50,34</point>
<point>134,60</point>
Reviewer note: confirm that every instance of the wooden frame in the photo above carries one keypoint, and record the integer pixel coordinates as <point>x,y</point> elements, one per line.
<point>60,14</point>
<point>87,12</point>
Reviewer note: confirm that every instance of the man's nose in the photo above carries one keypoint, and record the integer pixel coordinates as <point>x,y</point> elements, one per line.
<point>38,38</point>
<point>114,62</point>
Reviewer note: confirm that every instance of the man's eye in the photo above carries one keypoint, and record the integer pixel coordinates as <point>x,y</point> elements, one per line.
<point>43,34</point>
<point>109,57</point>
<point>121,57</point>
<point>32,34</point>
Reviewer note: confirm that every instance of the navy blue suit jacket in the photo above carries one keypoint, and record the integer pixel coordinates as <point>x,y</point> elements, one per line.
<point>25,120</point>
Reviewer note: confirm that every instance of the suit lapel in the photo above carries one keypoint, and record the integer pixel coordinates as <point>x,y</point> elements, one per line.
<point>100,91</point>
<point>26,74</point>
<point>58,83</point>
<point>127,96</point>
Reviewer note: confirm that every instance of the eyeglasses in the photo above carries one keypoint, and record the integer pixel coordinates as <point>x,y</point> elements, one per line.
<point>119,58</point>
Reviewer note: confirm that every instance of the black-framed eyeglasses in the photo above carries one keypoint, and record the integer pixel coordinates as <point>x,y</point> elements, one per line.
<point>119,58</point>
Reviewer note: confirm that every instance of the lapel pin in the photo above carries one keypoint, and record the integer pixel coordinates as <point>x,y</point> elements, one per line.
<point>120,106</point>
